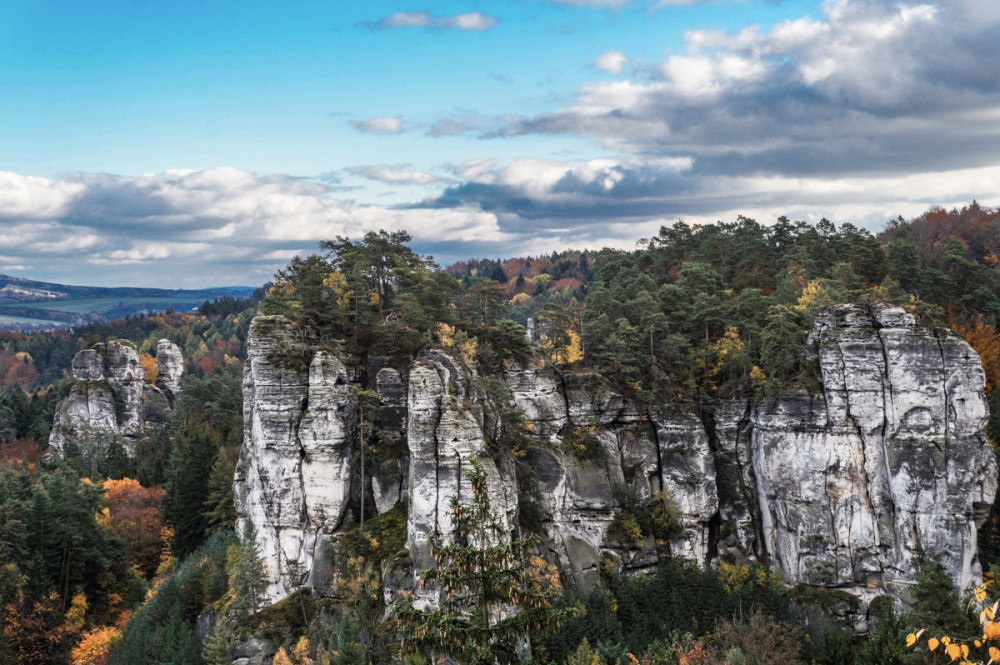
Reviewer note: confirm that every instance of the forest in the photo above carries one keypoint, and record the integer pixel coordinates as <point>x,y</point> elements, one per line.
<point>121,559</point>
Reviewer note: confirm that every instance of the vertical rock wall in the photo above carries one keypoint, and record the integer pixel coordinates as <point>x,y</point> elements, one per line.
<point>837,487</point>
<point>293,478</point>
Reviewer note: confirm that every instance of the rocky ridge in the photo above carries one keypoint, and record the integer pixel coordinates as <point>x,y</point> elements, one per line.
<point>837,486</point>
<point>110,395</point>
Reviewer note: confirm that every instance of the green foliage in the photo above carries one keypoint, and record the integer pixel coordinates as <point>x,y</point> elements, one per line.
<point>190,467</point>
<point>161,631</point>
<point>48,532</point>
<point>582,443</point>
<point>217,649</point>
<point>220,512</point>
<point>348,646</point>
<point>886,644</point>
<point>634,611</point>
<point>248,580</point>
<point>936,606</point>
<point>491,592</point>
<point>584,655</point>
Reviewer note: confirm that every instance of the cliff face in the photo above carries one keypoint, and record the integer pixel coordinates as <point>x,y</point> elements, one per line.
<point>111,397</point>
<point>837,486</point>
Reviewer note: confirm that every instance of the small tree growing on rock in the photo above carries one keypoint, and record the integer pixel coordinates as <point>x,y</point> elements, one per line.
<point>492,592</point>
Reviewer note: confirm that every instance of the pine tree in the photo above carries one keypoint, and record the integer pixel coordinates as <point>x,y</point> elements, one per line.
<point>348,647</point>
<point>220,511</point>
<point>249,579</point>
<point>217,649</point>
<point>491,592</point>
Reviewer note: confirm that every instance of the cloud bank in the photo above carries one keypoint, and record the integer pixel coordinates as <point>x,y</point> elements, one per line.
<point>874,109</point>
<point>198,228</point>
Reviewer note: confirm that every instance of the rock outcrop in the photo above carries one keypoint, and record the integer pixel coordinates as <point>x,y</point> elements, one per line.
<point>837,486</point>
<point>293,478</point>
<point>110,395</point>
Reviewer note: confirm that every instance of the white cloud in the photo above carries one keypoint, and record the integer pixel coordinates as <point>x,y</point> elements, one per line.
<point>390,125</point>
<point>611,62</point>
<point>472,21</point>
<point>197,228</point>
<point>396,174</point>
<point>868,87</point>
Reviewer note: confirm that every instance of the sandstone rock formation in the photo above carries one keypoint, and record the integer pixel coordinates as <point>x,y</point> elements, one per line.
<point>111,397</point>
<point>836,486</point>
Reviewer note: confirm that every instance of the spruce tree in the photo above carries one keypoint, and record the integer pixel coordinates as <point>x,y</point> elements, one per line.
<point>220,511</point>
<point>249,580</point>
<point>217,649</point>
<point>490,590</point>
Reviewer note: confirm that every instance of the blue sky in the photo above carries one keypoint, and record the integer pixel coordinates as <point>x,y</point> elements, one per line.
<point>197,143</point>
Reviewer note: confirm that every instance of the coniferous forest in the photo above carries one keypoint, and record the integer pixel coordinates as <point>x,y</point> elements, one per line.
<point>112,557</point>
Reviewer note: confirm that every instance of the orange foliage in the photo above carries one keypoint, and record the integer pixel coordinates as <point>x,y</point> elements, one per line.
<point>17,370</point>
<point>134,516</point>
<point>984,339</point>
<point>36,632</point>
<point>23,450</point>
<point>95,647</point>
<point>149,369</point>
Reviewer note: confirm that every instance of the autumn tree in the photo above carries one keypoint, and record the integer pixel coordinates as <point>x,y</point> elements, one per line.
<point>133,514</point>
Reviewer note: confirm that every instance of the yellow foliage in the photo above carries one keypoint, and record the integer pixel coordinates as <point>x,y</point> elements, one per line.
<point>733,576</point>
<point>301,652</point>
<point>337,282</point>
<point>728,349</point>
<point>542,575</point>
<point>757,376</point>
<point>95,646</point>
<point>520,299</point>
<point>281,658</point>
<point>149,369</point>
<point>962,649</point>
<point>77,613</point>
<point>813,297</point>
<point>541,279</point>
<point>573,351</point>
<point>445,334</point>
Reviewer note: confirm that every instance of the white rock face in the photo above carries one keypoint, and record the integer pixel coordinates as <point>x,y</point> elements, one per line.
<point>170,366</point>
<point>111,397</point>
<point>890,456</point>
<point>294,475</point>
<point>836,488</point>
<point>443,434</point>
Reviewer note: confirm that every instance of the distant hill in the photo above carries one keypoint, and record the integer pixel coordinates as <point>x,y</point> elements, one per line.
<point>26,304</point>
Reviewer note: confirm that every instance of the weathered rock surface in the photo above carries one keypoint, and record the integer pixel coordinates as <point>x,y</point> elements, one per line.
<point>293,479</point>
<point>837,487</point>
<point>888,457</point>
<point>111,397</point>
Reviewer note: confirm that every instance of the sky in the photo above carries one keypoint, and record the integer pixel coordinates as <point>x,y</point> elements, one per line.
<point>199,143</point>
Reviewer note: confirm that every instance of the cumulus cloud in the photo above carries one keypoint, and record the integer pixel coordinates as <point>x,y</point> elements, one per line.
<point>398,174</point>
<point>474,21</point>
<point>198,228</point>
<point>868,87</point>
<point>611,62</point>
<point>389,125</point>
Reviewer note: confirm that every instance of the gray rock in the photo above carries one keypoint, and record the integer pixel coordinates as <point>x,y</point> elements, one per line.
<point>836,488</point>
<point>110,398</point>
